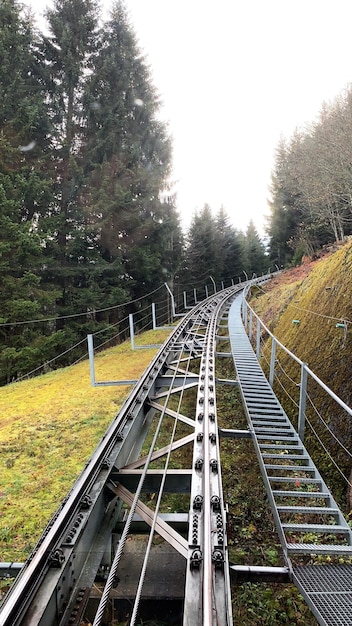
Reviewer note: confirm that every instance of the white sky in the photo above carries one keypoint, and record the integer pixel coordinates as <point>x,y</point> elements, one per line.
<point>233,76</point>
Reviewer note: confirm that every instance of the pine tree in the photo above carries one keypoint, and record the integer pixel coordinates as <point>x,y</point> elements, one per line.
<point>229,249</point>
<point>128,157</point>
<point>256,261</point>
<point>24,192</point>
<point>201,250</point>
<point>66,56</point>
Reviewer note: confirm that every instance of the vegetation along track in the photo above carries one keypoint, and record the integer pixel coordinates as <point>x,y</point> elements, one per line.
<point>143,532</point>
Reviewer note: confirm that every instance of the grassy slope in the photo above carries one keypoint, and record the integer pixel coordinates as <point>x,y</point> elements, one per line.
<point>319,295</point>
<point>49,427</point>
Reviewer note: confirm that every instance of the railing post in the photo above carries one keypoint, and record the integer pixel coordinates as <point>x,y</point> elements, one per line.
<point>153,316</point>
<point>272,361</point>
<point>244,313</point>
<point>131,330</point>
<point>222,285</point>
<point>213,281</point>
<point>206,291</point>
<point>302,402</point>
<point>250,324</point>
<point>258,339</point>
<point>185,300</point>
<point>195,296</point>
<point>232,283</point>
<point>172,300</point>
<point>91,359</point>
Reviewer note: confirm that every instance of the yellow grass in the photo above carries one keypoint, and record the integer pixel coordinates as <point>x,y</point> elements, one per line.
<point>49,427</point>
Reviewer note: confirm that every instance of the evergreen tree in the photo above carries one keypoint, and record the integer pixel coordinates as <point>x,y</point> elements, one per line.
<point>66,56</point>
<point>24,192</point>
<point>283,215</point>
<point>201,250</point>
<point>128,157</point>
<point>256,261</point>
<point>229,249</point>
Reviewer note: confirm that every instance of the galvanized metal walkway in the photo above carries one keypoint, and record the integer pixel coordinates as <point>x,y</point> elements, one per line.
<point>307,518</point>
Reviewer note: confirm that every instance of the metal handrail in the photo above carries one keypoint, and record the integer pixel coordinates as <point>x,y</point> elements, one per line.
<point>247,317</point>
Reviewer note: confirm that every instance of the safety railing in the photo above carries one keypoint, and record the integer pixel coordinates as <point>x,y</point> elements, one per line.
<point>256,329</point>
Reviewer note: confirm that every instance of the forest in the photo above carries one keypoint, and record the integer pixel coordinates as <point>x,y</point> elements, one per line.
<point>90,229</point>
<point>88,220</point>
<point>311,188</point>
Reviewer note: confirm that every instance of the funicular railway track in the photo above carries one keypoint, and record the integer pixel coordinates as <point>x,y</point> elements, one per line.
<point>103,546</point>
<point>88,535</point>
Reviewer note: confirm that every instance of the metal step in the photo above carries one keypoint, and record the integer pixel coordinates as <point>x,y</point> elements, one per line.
<point>274,446</point>
<point>278,493</point>
<point>287,479</point>
<point>266,408</point>
<point>264,423</point>
<point>292,468</point>
<point>274,432</point>
<point>274,436</point>
<point>318,548</point>
<point>316,528</point>
<point>290,457</point>
<point>321,510</point>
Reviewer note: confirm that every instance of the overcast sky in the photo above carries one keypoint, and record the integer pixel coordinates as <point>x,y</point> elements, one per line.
<point>233,76</point>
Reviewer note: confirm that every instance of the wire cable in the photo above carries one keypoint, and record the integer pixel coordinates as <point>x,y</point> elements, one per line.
<point>328,427</point>
<point>327,452</point>
<point>329,317</point>
<point>48,362</point>
<point>85,313</point>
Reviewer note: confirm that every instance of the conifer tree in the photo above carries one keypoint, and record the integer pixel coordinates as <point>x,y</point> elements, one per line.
<point>229,248</point>
<point>24,192</point>
<point>128,157</point>
<point>66,54</point>
<point>201,251</point>
<point>256,261</point>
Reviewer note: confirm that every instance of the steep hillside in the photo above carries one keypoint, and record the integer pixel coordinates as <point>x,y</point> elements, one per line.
<point>318,295</point>
<point>49,427</point>
<point>309,309</point>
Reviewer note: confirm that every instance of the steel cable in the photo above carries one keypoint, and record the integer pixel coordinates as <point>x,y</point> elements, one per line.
<point>157,505</point>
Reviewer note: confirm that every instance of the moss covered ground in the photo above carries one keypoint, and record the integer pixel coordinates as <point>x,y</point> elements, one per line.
<point>309,309</point>
<point>49,427</point>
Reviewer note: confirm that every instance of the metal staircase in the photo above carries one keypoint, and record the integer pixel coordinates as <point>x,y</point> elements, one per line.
<point>307,518</point>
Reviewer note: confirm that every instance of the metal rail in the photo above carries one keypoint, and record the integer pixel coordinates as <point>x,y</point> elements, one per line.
<point>87,536</point>
<point>208,566</point>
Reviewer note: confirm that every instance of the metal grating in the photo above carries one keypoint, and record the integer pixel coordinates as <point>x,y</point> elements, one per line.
<point>328,590</point>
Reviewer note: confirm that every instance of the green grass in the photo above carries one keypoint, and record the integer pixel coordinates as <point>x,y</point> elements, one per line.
<point>49,427</point>
<point>322,298</point>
